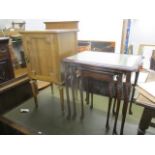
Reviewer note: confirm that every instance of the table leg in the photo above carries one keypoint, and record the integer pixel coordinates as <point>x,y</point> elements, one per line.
<point>114,104</point>
<point>73,83</point>
<point>109,105</point>
<point>127,87</point>
<point>119,93</point>
<point>87,91</point>
<point>81,96</point>
<point>133,92</point>
<point>91,95</point>
<point>67,79</point>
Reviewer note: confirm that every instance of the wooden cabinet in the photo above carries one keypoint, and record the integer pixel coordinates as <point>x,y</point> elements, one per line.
<point>6,68</point>
<point>44,51</point>
<point>62,25</point>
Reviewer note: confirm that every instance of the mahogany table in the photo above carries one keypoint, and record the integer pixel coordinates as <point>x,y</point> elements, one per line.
<point>101,62</point>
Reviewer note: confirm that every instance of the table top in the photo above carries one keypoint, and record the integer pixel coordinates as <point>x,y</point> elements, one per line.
<point>107,60</point>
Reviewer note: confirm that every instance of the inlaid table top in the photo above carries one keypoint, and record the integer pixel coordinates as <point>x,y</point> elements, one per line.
<point>108,60</point>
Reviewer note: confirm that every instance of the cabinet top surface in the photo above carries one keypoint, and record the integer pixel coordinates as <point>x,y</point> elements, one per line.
<point>61,22</point>
<point>107,60</point>
<point>50,31</point>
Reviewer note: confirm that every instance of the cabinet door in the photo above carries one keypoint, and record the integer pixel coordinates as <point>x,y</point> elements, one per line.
<point>40,57</point>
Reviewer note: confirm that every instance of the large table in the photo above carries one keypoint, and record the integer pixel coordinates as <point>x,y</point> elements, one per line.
<point>101,62</point>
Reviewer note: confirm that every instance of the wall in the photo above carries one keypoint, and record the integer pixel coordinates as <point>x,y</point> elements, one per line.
<point>142,32</point>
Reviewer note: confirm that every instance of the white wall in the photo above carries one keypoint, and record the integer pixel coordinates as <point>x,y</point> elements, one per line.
<point>142,32</point>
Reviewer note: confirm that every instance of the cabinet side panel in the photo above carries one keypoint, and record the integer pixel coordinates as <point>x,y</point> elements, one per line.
<point>67,46</point>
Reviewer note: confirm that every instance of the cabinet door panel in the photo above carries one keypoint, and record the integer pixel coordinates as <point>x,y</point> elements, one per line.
<point>41,54</point>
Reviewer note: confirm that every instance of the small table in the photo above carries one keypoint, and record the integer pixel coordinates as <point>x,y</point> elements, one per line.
<point>102,62</point>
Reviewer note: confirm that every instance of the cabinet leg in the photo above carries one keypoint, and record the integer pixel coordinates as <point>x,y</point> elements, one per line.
<point>61,92</point>
<point>34,91</point>
<point>52,88</point>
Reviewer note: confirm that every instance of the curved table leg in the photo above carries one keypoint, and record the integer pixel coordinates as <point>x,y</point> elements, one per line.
<point>119,94</point>
<point>81,96</point>
<point>73,83</point>
<point>127,87</point>
<point>67,79</point>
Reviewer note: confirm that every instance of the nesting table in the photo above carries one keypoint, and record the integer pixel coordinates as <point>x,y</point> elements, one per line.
<point>101,62</point>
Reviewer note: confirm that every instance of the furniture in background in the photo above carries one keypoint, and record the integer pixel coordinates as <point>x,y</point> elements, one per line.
<point>44,51</point>
<point>119,64</point>
<point>6,68</point>
<point>18,25</point>
<point>14,92</point>
<point>16,43</point>
<point>92,45</point>
<point>146,99</point>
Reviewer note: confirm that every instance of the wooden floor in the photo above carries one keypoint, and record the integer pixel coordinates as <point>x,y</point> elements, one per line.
<point>47,119</point>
